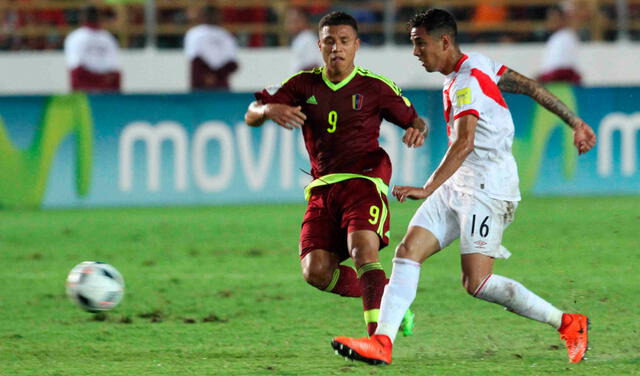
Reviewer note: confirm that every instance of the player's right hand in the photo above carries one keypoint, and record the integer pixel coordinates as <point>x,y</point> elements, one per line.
<point>286,116</point>
<point>403,192</point>
<point>583,137</point>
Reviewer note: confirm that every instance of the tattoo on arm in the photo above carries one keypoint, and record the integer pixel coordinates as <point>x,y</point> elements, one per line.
<point>514,82</point>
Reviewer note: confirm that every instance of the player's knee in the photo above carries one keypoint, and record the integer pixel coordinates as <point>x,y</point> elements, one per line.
<point>317,275</point>
<point>402,251</point>
<point>405,250</point>
<point>363,255</point>
<point>471,283</point>
<point>363,247</point>
<point>469,287</point>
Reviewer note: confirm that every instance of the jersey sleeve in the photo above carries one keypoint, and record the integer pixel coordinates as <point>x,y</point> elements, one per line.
<point>395,107</point>
<point>497,69</point>
<point>466,97</point>
<point>284,93</point>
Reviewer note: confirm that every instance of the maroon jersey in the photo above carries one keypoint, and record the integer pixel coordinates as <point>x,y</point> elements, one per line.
<point>84,79</point>
<point>343,119</point>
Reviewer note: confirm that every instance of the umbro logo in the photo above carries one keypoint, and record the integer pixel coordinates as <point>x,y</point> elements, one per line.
<point>312,100</point>
<point>480,244</point>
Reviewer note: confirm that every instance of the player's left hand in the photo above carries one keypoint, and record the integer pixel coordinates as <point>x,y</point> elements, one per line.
<point>413,137</point>
<point>583,137</point>
<point>403,192</point>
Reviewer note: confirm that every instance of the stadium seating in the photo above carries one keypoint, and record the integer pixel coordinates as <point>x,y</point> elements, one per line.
<point>42,24</point>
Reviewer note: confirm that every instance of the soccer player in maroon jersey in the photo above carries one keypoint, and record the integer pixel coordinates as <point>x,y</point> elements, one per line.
<point>340,108</point>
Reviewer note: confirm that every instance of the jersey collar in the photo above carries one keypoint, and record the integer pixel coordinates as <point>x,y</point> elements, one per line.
<point>339,85</point>
<point>459,63</point>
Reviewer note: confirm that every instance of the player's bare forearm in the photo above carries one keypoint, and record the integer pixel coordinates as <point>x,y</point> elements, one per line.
<point>452,160</point>
<point>457,153</point>
<point>286,116</point>
<point>514,82</point>
<point>255,114</point>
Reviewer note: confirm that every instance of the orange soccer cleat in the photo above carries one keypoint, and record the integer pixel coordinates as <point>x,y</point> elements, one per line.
<point>573,331</point>
<point>375,350</point>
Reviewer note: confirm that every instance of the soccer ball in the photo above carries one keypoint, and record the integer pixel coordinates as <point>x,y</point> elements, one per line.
<point>95,286</point>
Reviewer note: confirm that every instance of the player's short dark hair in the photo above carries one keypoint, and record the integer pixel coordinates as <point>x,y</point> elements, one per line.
<point>436,23</point>
<point>338,18</point>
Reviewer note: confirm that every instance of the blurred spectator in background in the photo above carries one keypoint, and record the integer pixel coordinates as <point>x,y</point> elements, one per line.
<point>490,13</point>
<point>304,45</point>
<point>487,16</point>
<point>54,19</point>
<point>24,16</point>
<point>92,55</point>
<point>247,16</point>
<point>560,59</point>
<point>212,51</point>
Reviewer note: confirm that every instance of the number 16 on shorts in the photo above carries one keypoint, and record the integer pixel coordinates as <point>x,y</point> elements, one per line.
<point>483,229</point>
<point>479,234</point>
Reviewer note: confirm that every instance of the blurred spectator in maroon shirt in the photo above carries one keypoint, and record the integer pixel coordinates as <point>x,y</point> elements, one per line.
<point>212,52</point>
<point>560,59</point>
<point>92,56</point>
<point>304,42</point>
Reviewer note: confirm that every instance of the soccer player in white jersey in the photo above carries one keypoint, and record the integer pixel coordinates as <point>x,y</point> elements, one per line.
<point>472,194</point>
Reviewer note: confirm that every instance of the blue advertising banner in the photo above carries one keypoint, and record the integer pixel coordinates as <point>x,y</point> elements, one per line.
<point>106,150</point>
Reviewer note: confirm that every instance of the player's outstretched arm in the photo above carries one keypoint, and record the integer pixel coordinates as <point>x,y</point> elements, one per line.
<point>513,82</point>
<point>456,154</point>
<point>286,116</point>
<point>416,133</point>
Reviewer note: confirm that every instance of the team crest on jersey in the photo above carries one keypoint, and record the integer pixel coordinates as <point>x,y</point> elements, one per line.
<point>357,100</point>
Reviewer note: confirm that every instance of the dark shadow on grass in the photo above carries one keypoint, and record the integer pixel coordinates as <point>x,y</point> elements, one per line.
<point>214,318</point>
<point>155,316</point>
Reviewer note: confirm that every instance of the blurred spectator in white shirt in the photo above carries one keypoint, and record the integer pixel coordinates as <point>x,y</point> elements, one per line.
<point>212,52</point>
<point>560,59</point>
<point>304,46</point>
<point>92,55</point>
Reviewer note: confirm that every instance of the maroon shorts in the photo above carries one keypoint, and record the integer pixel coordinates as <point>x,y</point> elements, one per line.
<point>338,209</point>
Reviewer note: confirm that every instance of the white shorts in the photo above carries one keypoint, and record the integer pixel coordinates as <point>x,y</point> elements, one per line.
<point>477,219</point>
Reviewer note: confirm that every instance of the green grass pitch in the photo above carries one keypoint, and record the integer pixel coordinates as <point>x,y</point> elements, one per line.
<point>218,291</point>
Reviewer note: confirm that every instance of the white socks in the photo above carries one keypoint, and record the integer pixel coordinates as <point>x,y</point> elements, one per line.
<point>398,296</point>
<point>401,291</point>
<point>516,298</point>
